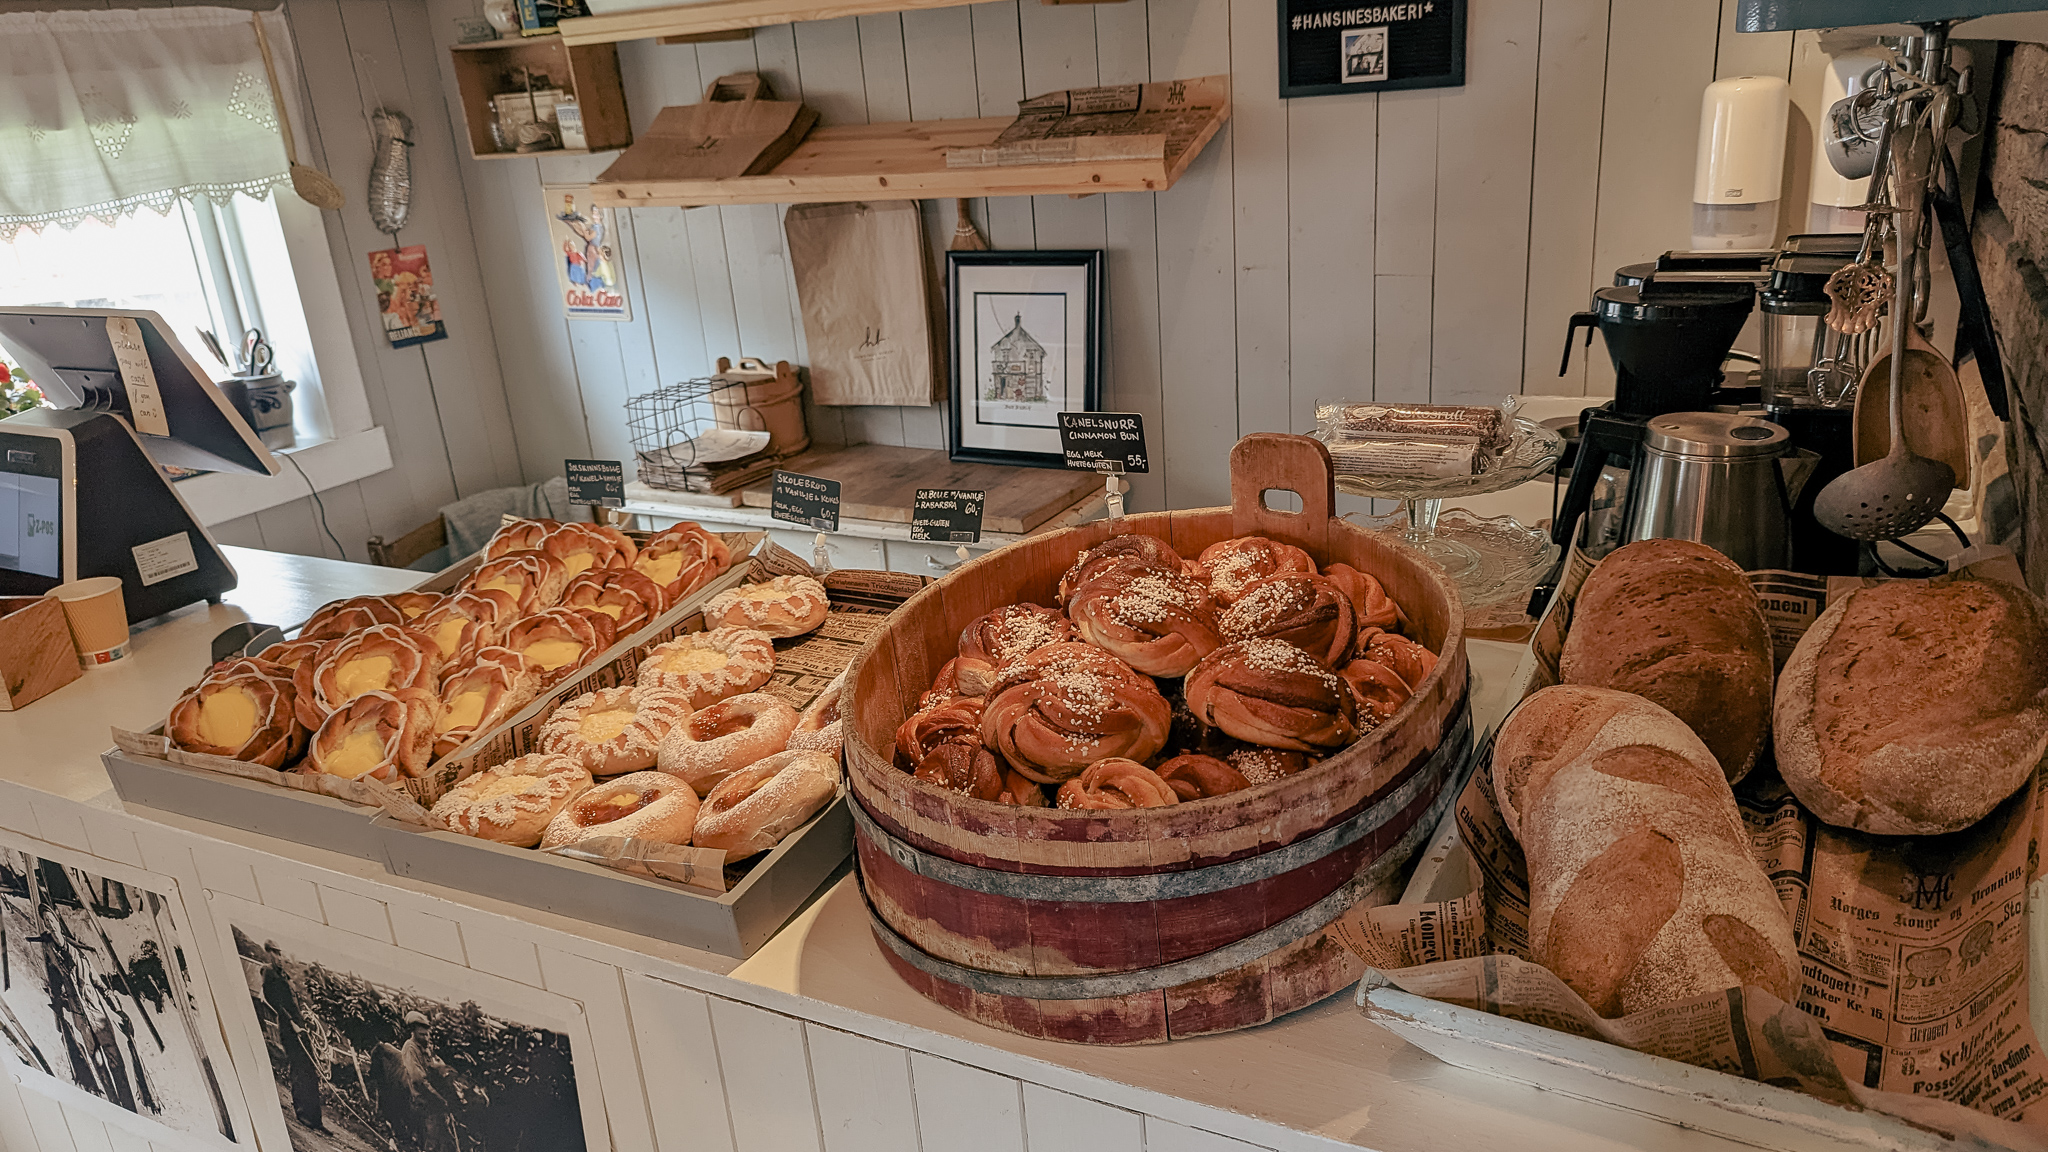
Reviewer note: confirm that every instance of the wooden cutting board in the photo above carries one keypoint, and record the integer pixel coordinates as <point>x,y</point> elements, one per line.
<point>878,482</point>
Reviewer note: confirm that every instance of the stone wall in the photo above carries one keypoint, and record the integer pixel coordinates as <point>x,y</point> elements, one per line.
<point>2011,241</point>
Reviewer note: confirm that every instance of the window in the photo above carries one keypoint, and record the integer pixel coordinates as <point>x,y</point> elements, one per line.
<point>225,269</point>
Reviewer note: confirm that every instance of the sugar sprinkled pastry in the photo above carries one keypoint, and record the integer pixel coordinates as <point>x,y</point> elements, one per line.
<point>781,607</point>
<point>725,737</point>
<point>241,709</point>
<point>1004,634</point>
<point>1128,552</point>
<point>710,666</point>
<point>614,730</point>
<point>1156,620</point>
<point>1310,612</point>
<point>1232,566</point>
<point>512,803</point>
<point>651,806</point>
<point>1059,709</point>
<point>751,810</point>
<point>819,727</point>
<point>1271,693</point>
<point>1114,783</point>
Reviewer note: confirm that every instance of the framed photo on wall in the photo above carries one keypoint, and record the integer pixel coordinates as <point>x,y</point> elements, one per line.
<point>1027,345</point>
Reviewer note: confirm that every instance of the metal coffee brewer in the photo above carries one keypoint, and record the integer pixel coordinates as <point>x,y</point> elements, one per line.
<point>1724,480</point>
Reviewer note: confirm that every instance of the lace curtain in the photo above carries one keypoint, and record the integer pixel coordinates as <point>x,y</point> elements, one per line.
<point>104,112</point>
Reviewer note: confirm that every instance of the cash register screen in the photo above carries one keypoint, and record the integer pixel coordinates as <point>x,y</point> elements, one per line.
<point>31,506</point>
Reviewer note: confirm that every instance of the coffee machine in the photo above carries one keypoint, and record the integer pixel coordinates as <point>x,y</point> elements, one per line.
<point>1667,336</point>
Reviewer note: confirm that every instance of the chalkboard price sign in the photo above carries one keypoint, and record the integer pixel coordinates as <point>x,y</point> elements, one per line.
<point>1330,47</point>
<point>947,515</point>
<point>811,501</point>
<point>596,482</point>
<point>1103,441</point>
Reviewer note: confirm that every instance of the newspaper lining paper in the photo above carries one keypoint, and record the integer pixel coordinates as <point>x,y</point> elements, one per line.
<point>1913,950</point>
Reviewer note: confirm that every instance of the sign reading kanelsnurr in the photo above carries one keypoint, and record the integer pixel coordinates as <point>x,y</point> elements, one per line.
<point>947,515</point>
<point>811,501</point>
<point>1328,47</point>
<point>596,482</point>
<point>1103,441</point>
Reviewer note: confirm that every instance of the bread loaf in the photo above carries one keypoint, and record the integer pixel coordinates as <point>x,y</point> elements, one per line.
<point>1643,891</point>
<point>1678,624</point>
<point>1913,707</point>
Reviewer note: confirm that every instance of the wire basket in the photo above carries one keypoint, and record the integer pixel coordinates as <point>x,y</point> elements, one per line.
<point>701,435</point>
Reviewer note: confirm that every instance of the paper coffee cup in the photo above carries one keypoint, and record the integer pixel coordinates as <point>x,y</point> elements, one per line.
<point>98,618</point>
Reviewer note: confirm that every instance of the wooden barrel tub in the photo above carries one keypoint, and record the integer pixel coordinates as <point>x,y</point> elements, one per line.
<point>1140,926</point>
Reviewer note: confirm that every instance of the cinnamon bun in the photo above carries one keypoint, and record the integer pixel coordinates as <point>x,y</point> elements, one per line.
<point>710,666</point>
<point>1380,691</point>
<point>782,607</point>
<point>1404,657</point>
<point>1197,777</point>
<point>614,730</point>
<point>1158,621</point>
<point>1114,783</point>
<point>1271,693</point>
<point>241,709</point>
<point>387,736</point>
<point>1131,551</point>
<point>1052,713</point>
<point>751,810</point>
<point>512,803</point>
<point>482,694</point>
<point>650,806</point>
<point>1232,566</point>
<point>1008,632</point>
<point>1265,765</point>
<point>1309,612</point>
<point>1374,608</point>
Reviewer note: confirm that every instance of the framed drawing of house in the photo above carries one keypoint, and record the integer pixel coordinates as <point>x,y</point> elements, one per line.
<point>1027,345</point>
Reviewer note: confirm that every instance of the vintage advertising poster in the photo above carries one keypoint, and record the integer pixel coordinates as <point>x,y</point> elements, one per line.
<point>405,296</point>
<point>585,247</point>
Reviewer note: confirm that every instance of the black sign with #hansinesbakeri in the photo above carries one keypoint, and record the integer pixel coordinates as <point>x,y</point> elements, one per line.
<point>1330,47</point>
<point>811,501</point>
<point>947,515</point>
<point>1103,441</point>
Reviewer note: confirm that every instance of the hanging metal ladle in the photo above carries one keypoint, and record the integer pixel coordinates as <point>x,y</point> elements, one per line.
<point>1888,498</point>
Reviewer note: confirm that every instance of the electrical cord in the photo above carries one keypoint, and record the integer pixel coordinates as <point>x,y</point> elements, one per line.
<point>322,508</point>
<point>1954,527</point>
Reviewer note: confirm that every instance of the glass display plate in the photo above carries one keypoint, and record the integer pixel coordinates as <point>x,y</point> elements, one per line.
<point>1489,559</point>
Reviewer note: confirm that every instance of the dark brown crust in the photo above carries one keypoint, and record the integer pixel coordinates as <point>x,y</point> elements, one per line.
<point>1678,624</point>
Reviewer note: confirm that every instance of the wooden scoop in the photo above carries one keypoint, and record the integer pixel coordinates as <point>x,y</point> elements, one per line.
<point>1934,415</point>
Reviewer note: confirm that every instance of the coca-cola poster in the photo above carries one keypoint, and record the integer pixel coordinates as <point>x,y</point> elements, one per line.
<point>589,267</point>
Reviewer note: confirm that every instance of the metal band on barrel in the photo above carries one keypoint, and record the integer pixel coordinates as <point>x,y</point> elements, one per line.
<point>1441,770</point>
<point>1234,955</point>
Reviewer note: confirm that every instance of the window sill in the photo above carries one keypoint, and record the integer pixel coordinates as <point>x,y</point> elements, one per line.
<point>219,497</point>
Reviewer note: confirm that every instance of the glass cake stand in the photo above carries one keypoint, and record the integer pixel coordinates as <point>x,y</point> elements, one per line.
<point>1489,559</point>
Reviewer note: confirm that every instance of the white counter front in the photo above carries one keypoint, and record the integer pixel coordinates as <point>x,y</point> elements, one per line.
<point>811,1044</point>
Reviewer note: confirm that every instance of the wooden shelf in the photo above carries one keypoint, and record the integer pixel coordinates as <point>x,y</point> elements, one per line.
<point>907,162</point>
<point>722,15</point>
<point>589,74</point>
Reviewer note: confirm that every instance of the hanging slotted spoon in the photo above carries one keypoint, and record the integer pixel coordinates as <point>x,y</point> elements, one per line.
<point>1888,498</point>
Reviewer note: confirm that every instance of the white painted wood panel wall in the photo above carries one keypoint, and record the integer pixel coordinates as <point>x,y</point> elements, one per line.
<point>442,405</point>
<point>680,1068</point>
<point>1415,246</point>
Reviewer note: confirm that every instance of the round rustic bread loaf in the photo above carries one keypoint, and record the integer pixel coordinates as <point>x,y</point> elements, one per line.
<point>1643,891</point>
<point>1913,707</point>
<point>1678,624</point>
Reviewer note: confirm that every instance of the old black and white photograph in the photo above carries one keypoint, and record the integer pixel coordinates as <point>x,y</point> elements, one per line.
<point>100,994</point>
<point>1026,333</point>
<point>366,1058</point>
